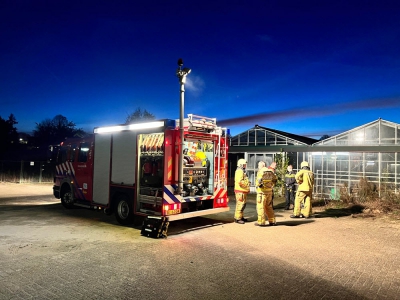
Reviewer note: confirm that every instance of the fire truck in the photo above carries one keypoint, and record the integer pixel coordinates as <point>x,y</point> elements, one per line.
<point>146,169</point>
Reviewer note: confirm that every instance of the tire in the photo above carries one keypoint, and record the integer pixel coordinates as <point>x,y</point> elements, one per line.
<point>67,198</point>
<point>123,210</point>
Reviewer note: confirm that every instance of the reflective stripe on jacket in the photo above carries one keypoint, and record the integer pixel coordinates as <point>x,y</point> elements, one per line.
<point>242,183</point>
<point>290,178</point>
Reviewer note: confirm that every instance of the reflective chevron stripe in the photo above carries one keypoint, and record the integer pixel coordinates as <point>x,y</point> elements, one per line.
<point>170,198</point>
<point>65,169</point>
<point>220,193</point>
<point>169,168</point>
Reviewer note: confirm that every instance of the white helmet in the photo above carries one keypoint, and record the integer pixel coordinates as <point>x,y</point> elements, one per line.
<point>304,164</point>
<point>241,162</point>
<point>261,164</point>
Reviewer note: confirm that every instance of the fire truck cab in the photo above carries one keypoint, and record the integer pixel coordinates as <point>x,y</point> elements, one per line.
<point>134,169</point>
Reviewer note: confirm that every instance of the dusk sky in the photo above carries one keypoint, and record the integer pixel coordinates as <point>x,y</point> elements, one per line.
<point>305,67</point>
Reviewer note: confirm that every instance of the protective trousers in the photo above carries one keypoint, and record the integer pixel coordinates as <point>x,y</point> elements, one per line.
<point>264,208</point>
<point>302,204</point>
<point>289,196</point>
<point>241,199</point>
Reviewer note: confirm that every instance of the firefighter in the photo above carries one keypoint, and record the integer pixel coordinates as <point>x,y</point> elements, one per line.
<point>272,167</point>
<point>289,187</point>
<point>242,188</point>
<point>265,182</point>
<point>261,164</point>
<point>302,203</point>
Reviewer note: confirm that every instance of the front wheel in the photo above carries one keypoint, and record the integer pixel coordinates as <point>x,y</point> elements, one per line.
<point>67,199</point>
<point>123,211</point>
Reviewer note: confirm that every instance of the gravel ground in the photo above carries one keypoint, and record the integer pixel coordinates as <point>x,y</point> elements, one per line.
<point>48,252</point>
<point>8,190</point>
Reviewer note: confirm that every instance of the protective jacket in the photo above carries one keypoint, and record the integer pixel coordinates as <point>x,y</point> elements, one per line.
<point>290,179</point>
<point>265,180</point>
<point>305,179</point>
<point>242,183</point>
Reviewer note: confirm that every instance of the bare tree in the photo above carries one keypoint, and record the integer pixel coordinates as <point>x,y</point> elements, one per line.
<point>56,130</point>
<point>8,134</point>
<point>139,116</point>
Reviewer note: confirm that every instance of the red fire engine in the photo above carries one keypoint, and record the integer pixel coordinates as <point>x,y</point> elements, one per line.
<point>135,169</point>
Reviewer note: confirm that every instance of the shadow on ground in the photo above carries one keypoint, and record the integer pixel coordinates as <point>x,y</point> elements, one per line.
<point>183,226</point>
<point>339,212</point>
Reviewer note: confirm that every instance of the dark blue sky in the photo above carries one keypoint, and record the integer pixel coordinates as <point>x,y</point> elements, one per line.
<point>307,67</point>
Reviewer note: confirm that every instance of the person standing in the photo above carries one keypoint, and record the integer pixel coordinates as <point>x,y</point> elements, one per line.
<point>261,164</point>
<point>302,203</point>
<point>272,167</point>
<point>289,187</point>
<point>242,188</point>
<point>265,182</point>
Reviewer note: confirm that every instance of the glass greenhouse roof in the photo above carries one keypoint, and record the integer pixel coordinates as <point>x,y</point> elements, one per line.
<point>261,136</point>
<point>379,132</point>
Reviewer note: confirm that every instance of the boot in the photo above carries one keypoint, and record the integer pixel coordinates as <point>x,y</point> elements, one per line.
<point>239,221</point>
<point>260,225</point>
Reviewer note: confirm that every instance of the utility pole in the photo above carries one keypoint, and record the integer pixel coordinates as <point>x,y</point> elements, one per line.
<point>181,74</point>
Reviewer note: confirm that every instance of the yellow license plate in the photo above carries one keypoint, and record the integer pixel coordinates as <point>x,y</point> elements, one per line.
<point>173,211</point>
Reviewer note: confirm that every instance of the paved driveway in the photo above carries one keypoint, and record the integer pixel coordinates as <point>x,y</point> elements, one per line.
<point>48,252</point>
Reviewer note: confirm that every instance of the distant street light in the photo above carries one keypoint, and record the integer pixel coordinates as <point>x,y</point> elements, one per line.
<point>181,73</point>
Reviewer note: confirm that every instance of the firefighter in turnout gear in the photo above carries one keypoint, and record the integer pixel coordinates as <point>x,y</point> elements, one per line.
<point>302,203</point>
<point>272,167</point>
<point>265,182</point>
<point>242,188</point>
<point>289,187</point>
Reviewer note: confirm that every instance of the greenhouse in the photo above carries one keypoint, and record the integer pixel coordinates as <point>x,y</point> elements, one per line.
<point>369,153</point>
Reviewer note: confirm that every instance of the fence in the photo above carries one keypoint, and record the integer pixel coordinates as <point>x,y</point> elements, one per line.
<point>26,171</point>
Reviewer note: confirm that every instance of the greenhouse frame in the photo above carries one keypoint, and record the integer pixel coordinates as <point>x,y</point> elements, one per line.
<point>369,152</point>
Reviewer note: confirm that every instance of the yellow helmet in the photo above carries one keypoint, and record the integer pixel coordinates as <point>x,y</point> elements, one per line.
<point>241,162</point>
<point>304,164</point>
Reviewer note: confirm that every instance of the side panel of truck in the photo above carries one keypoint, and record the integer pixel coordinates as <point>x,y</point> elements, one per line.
<point>123,158</point>
<point>101,172</point>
